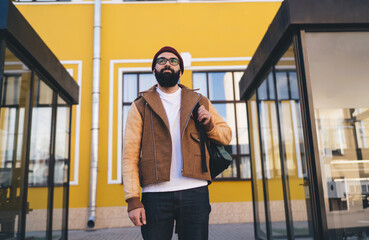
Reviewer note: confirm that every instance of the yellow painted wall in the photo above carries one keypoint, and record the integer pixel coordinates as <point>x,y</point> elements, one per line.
<point>137,31</point>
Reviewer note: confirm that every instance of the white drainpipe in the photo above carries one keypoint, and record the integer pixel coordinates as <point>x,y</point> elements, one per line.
<point>95,116</point>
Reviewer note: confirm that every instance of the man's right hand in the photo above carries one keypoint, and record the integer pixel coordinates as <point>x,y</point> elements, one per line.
<point>137,216</point>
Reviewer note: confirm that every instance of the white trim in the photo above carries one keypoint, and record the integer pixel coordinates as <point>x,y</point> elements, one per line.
<point>141,2</point>
<point>224,59</point>
<point>78,121</point>
<point>218,68</point>
<point>119,108</point>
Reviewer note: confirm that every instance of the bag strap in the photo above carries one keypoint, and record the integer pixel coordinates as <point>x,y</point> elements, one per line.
<point>203,137</point>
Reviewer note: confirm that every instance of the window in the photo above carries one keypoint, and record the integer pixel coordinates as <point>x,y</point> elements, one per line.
<point>222,90</point>
<point>133,83</point>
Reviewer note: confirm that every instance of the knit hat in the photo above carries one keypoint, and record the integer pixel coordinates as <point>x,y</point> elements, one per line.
<point>171,50</point>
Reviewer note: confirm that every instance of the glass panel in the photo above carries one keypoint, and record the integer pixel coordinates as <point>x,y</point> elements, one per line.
<point>338,63</point>
<point>226,111</point>
<point>237,78</point>
<point>129,87</point>
<point>243,134</point>
<point>245,167</point>
<point>15,94</point>
<point>45,96</point>
<point>293,146</point>
<point>272,167</point>
<point>40,136</point>
<point>36,220</point>
<point>282,85</point>
<point>293,85</point>
<point>199,81</point>
<point>61,166</point>
<point>125,113</point>
<point>220,86</point>
<point>266,89</point>
<point>257,172</point>
<point>146,81</point>
<point>270,86</point>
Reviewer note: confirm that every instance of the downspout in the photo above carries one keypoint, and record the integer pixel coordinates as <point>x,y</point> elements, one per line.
<point>95,116</point>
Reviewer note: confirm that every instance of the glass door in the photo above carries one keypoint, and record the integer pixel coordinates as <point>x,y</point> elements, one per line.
<point>280,178</point>
<point>338,73</point>
<point>16,82</point>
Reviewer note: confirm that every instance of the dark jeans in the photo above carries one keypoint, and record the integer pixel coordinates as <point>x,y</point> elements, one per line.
<point>189,208</point>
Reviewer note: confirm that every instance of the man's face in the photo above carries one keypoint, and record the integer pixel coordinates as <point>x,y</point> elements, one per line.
<point>167,75</point>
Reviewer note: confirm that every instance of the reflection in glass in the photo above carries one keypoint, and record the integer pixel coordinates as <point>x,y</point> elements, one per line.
<point>36,220</point>
<point>338,63</point>
<point>40,135</point>
<point>61,165</point>
<point>15,93</point>
<point>245,167</point>
<point>272,166</point>
<point>257,172</point>
<point>293,145</point>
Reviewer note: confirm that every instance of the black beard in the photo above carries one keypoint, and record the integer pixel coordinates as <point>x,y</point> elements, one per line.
<point>167,79</point>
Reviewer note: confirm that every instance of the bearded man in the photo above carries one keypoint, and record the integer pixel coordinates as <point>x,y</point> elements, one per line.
<point>162,157</point>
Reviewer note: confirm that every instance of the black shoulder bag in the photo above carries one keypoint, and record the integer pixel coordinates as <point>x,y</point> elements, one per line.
<point>220,159</point>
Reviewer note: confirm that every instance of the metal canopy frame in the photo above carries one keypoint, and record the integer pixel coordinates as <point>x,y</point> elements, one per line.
<point>295,15</point>
<point>17,35</point>
<point>15,30</point>
<point>293,19</point>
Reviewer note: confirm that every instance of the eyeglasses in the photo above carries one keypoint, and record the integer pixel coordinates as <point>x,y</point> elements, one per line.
<point>163,61</point>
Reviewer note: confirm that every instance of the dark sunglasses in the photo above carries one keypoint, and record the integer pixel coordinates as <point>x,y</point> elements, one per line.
<point>163,61</point>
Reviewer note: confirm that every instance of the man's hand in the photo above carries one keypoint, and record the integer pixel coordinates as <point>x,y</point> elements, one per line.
<point>204,115</point>
<point>138,216</point>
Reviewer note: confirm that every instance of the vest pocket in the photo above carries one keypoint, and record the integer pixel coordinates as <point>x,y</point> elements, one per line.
<point>195,136</point>
<point>148,171</point>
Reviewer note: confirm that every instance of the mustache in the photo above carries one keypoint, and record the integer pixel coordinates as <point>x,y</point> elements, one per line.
<point>167,68</point>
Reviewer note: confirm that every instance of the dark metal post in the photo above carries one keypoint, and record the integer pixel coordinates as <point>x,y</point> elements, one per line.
<point>265,183</point>
<point>50,208</point>
<point>25,159</point>
<point>310,139</point>
<point>284,171</point>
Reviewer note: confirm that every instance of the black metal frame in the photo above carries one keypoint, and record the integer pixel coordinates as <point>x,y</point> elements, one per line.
<point>27,43</point>
<point>311,148</point>
<point>292,20</point>
<point>284,177</point>
<point>19,37</point>
<point>253,177</point>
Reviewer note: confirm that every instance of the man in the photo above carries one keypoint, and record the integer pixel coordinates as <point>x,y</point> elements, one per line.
<point>161,154</point>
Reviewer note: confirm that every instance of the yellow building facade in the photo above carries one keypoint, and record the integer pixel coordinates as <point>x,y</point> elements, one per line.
<point>213,37</point>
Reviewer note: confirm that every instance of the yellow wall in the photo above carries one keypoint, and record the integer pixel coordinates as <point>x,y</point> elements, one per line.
<point>137,31</point>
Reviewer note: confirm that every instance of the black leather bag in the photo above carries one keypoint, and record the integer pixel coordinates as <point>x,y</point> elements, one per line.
<point>220,159</point>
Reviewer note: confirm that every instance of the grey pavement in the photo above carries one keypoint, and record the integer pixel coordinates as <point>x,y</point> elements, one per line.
<point>234,231</point>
